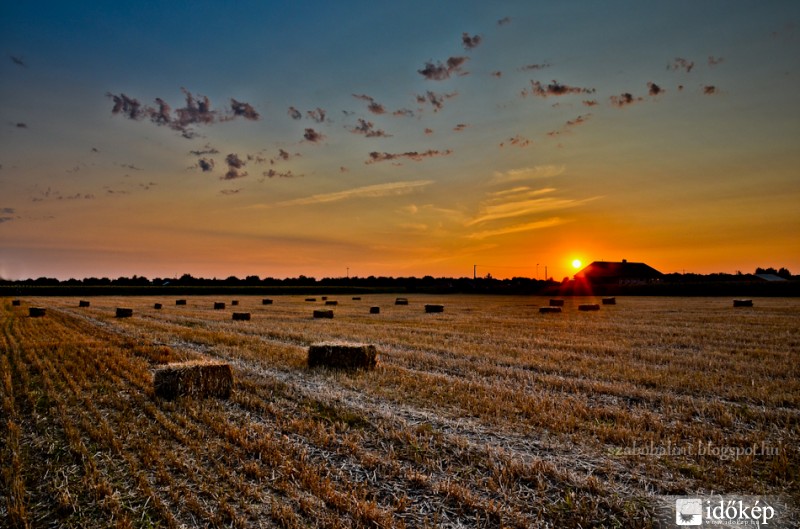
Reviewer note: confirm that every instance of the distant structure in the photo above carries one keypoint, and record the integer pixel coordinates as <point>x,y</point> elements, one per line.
<point>618,273</point>
<point>770,277</point>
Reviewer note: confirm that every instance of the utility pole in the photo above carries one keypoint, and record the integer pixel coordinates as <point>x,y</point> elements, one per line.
<point>545,273</point>
<point>537,271</point>
<point>348,272</point>
<point>474,272</point>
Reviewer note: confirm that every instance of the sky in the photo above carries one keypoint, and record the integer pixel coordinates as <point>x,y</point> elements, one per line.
<point>359,138</point>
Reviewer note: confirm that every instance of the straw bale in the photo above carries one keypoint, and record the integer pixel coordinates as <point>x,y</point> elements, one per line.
<point>548,310</point>
<point>374,310</point>
<point>194,379</point>
<point>266,302</point>
<point>180,302</point>
<point>589,306</point>
<point>235,303</point>
<point>331,302</point>
<point>311,299</point>
<point>356,298</point>
<point>241,316</point>
<point>83,303</point>
<point>219,305</point>
<point>341,355</point>
<point>556,302</point>
<point>157,306</point>
<point>323,313</point>
<point>401,301</point>
<point>36,312</point>
<point>124,313</point>
<point>742,302</point>
<point>434,308</point>
<point>16,303</point>
<point>609,301</point>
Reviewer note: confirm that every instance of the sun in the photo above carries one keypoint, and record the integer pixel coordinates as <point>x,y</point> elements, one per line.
<point>576,264</point>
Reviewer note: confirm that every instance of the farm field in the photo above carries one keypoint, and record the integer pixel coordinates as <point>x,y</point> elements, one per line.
<point>488,414</point>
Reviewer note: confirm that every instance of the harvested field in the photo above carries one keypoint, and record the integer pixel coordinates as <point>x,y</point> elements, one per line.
<point>487,415</point>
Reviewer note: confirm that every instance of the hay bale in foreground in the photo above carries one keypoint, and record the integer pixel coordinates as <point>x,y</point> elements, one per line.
<point>16,303</point>
<point>180,302</point>
<point>548,310</point>
<point>323,314</point>
<point>401,301</point>
<point>266,302</point>
<point>331,302</point>
<point>374,310</point>
<point>241,316</point>
<point>556,302</point>
<point>194,379</point>
<point>589,306</point>
<point>83,303</point>
<point>124,313</point>
<point>609,301</point>
<point>157,306</point>
<point>340,355</point>
<point>742,302</point>
<point>219,305</point>
<point>37,312</point>
<point>434,308</point>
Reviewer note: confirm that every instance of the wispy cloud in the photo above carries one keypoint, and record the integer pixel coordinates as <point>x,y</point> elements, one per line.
<point>516,141</point>
<point>710,90</point>
<point>313,136</point>
<point>470,42</point>
<point>653,89</point>
<point>681,64</point>
<point>715,61</point>
<point>440,72</point>
<point>235,166</point>
<point>503,21</point>
<point>294,113</point>
<point>18,61</point>
<point>375,157</point>
<point>624,99</point>
<point>436,100</point>
<point>519,206</point>
<point>528,173</point>
<point>516,228</point>
<point>372,191</point>
<point>318,115</point>
<point>555,89</point>
<point>372,105</point>
<point>367,128</point>
<point>534,66</point>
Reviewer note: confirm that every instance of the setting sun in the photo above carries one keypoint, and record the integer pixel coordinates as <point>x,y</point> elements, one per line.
<point>576,264</point>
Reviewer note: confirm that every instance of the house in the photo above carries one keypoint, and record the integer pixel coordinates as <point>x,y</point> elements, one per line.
<point>617,273</point>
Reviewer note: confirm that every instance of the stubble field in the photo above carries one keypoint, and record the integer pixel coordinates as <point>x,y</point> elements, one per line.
<point>487,415</point>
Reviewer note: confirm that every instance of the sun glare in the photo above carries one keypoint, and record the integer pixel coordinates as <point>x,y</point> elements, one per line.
<point>576,264</point>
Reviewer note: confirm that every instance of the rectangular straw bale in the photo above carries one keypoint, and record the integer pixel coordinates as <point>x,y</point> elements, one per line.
<point>83,303</point>
<point>180,302</point>
<point>339,355</point>
<point>311,299</point>
<point>157,306</point>
<point>401,301</point>
<point>194,379</point>
<point>556,302</point>
<point>609,301</point>
<point>235,303</point>
<point>589,306</point>
<point>323,313</point>
<point>219,305</point>
<point>434,308</point>
<point>331,302</point>
<point>124,313</point>
<point>374,310</point>
<point>742,302</point>
<point>266,302</point>
<point>241,316</point>
<point>36,312</point>
<point>548,310</point>
<point>356,298</point>
<point>16,302</point>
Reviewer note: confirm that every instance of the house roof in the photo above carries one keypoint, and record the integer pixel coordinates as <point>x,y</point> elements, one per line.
<point>623,269</point>
<point>770,277</point>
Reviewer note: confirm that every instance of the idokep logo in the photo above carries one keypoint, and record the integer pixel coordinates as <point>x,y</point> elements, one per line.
<point>689,511</point>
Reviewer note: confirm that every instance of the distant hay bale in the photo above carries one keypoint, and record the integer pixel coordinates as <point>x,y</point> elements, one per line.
<point>124,313</point>
<point>311,299</point>
<point>434,308</point>
<point>83,303</point>
<point>180,302</point>
<point>37,312</point>
<point>157,306</point>
<point>266,302</point>
<point>374,310</point>
<point>219,305</point>
<point>194,379</point>
<point>339,355</point>
<point>324,298</point>
<point>16,303</point>
<point>742,302</point>
<point>401,301</point>
<point>331,302</point>
<point>323,314</point>
<point>609,301</point>
<point>235,303</point>
<point>556,302</point>
<point>241,316</point>
<point>589,306</point>
<point>356,298</point>
<point>548,310</point>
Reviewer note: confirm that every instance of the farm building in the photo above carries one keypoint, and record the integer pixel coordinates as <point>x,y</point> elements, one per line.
<point>618,273</point>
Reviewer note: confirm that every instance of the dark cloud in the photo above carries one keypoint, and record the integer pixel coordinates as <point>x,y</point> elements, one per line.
<point>272,173</point>
<point>555,89</point>
<point>403,112</point>
<point>428,131</point>
<point>517,141</point>
<point>470,42</point>
<point>313,136</point>
<point>367,128</point>
<point>130,166</point>
<point>497,74</point>
<point>235,166</point>
<point>375,157</point>
<point>18,61</point>
<point>714,61</point>
<point>207,149</point>
<point>7,211</point>
<point>128,106</point>
<point>22,125</point>
<point>710,89</point>
<point>624,99</point>
<point>460,127</point>
<point>440,72</point>
<point>294,113</point>
<point>343,169</point>
<point>244,110</point>
<point>197,111</point>
<point>317,115</point>
<point>229,191</point>
<point>372,105</point>
<point>6,219</point>
<point>503,21</point>
<point>590,102</point>
<point>580,120</point>
<point>654,89</point>
<point>206,164</point>
<point>680,63</point>
<point>436,100</point>
<point>533,67</point>
<point>162,115</point>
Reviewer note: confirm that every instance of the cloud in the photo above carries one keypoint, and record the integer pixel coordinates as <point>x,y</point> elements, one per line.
<point>229,191</point>
<point>206,164</point>
<point>367,129</point>
<point>18,61</point>
<point>528,173</point>
<point>317,115</point>
<point>714,61</point>
<point>128,106</point>
<point>294,113</point>
<point>710,90</point>
<point>403,112</point>
<point>428,131</point>
<point>440,72</point>
<point>235,166</point>
<point>517,141</point>
<point>654,89</point>
<point>7,211</point>
<point>590,102</point>
<point>372,191</point>
<point>207,149</point>
<point>529,67</point>
<point>516,228</point>
<point>580,120</point>
<point>512,207</point>
<point>313,136</point>
<point>470,42</point>
<point>244,110</point>
<point>272,173</point>
<point>460,127</point>
<point>555,89</point>
<point>680,63</point>
<point>624,99</point>
<point>283,156</point>
<point>373,106</point>
<point>497,73</point>
<point>503,21</point>
<point>375,157</point>
<point>436,100</point>
<point>6,219</point>
<point>21,125</point>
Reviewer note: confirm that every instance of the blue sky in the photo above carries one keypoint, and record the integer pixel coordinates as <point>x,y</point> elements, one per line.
<point>429,136</point>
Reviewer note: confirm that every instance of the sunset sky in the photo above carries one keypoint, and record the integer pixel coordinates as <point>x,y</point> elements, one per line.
<point>397,138</point>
